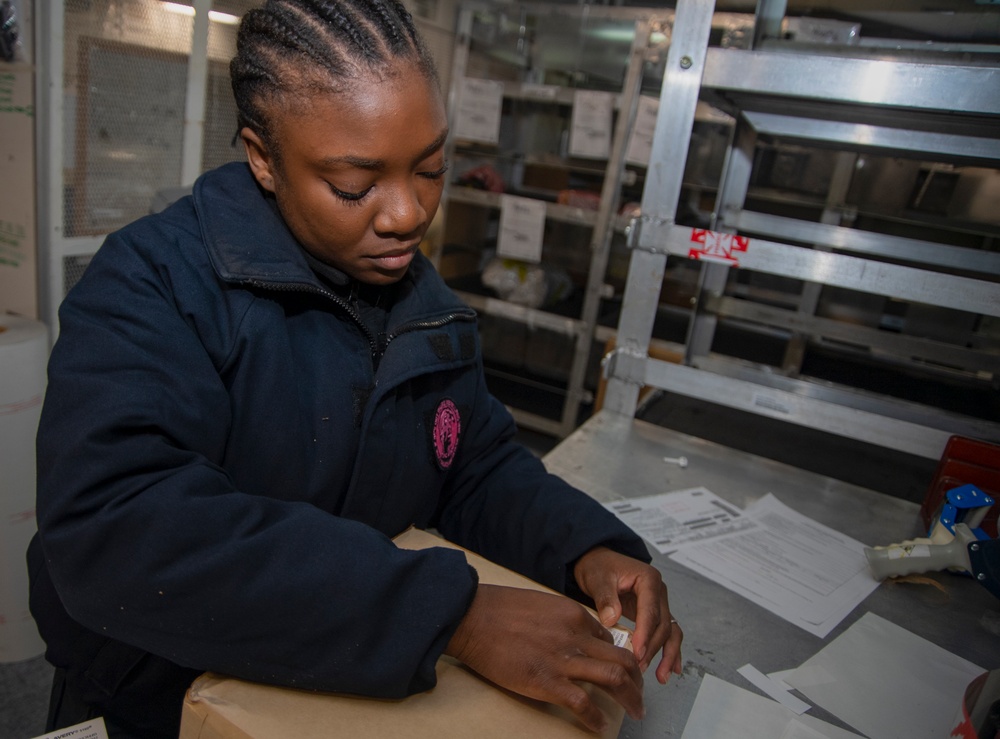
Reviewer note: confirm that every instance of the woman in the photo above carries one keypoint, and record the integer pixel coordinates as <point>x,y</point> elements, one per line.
<point>255,389</point>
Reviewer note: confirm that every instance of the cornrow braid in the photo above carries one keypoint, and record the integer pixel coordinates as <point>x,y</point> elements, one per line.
<point>288,47</point>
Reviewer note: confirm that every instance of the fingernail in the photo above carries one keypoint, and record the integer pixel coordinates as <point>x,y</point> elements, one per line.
<point>608,616</point>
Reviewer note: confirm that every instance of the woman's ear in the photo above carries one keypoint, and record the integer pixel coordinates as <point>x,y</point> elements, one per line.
<point>260,160</point>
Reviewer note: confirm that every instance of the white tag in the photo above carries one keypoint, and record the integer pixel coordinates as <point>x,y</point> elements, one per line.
<point>522,226</point>
<point>92,729</point>
<point>620,636</point>
<point>590,127</point>
<point>640,144</point>
<point>480,103</point>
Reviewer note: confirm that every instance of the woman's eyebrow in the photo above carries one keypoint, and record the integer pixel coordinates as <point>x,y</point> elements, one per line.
<point>376,165</point>
<point>433,146</point>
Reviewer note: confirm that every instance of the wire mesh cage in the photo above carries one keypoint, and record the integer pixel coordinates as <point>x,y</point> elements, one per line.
<point>126,85</point>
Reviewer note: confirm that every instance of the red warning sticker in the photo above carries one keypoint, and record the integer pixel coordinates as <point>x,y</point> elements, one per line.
<point>717,247</point>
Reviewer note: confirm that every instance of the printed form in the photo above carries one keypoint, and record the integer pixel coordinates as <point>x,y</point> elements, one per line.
<point>797,568</point>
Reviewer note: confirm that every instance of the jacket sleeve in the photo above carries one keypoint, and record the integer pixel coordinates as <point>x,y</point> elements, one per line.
<point>148,541</point>
<point>502,503</point>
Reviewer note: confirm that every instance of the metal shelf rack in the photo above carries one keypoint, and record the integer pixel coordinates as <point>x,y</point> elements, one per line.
<point>853,100</point>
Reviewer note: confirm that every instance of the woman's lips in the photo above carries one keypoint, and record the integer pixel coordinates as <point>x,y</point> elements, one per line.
<point>396,260</point>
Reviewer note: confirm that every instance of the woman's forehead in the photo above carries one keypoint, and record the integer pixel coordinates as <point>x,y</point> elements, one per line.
<point>396,116</point>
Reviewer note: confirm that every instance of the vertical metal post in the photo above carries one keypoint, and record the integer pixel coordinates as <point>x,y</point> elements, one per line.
<point>194,104</point>
<point>661,195</point>
<point>843,172</point>
<point>600,243</point>
<point>459,61</point>
<point>49,118</point>
<point>769,15</point>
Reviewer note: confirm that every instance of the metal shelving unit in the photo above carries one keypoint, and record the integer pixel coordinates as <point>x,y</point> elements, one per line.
<point>856,100</point>
<point>539,54</point>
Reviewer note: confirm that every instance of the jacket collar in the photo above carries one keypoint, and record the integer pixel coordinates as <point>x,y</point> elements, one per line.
<point>246,238</point>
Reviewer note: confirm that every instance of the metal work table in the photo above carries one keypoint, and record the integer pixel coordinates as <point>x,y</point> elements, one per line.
<point>613,457</point>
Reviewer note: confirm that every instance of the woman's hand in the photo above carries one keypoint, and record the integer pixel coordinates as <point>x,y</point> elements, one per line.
<point>623,586</point>
<point>541,646</point>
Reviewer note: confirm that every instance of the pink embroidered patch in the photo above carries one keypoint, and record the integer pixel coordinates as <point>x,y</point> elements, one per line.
<point>447,427</point>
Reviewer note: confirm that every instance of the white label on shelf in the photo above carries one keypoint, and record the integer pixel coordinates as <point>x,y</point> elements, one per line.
<point>522,223</point>
<point>590,133</point>
<point>640,144</point>
<point>479,106</point>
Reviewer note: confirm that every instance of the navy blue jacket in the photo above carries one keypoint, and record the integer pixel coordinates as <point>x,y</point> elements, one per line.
<point>221,466</point>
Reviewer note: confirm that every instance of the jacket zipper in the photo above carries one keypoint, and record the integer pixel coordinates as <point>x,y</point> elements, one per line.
<point>459,315</point>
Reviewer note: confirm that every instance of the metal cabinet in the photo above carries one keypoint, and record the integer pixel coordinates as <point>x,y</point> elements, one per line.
<point>927,288</point>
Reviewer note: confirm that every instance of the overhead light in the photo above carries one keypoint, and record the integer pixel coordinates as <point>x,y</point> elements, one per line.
<point>213,15</point>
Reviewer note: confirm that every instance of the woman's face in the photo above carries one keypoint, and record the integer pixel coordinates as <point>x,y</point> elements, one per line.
<point>360,172</point>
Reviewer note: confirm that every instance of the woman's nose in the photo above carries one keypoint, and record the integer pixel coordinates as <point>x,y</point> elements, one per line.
<point>402,211</point>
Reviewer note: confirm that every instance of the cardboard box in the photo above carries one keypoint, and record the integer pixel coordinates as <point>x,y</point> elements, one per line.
<point>461,705</point>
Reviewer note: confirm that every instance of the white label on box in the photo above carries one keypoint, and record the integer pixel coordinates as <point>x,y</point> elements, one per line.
<point>479,105</point>
<point>640,145</point>
<point>522,224</point>
<point>92,729</point>
<point>590,132</point>
<point>620,636</point>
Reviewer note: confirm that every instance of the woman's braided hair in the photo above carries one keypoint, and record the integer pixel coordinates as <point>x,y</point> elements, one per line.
<point>292,47</point>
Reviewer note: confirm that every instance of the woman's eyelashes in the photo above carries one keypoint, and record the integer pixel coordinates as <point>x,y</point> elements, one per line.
<point>436,174</point>
<point>356,197</point>
<point>350,197</point>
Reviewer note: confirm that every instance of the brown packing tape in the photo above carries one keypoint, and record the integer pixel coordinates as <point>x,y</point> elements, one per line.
<point>461,705</point>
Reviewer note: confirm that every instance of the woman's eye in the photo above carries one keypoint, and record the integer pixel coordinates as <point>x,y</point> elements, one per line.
<point>436,174</point>
<point>350,197</point>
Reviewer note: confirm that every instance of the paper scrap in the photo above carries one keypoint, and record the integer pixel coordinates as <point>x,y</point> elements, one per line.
<point>886,681</point>
<point>797,568</point>
<point>670,520</point>
<point>773,689</point>
<point>724,711</point>
<point>779,677</point>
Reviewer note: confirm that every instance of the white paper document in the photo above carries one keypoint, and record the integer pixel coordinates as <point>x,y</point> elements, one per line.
<point>886,682</point>
<point>670,520</point>
<point>797,568</point>
<point>92,729</point>
<point>724,711</point>
<point>590,128</point>
<point>480,103</point>
<point>522,226</point>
